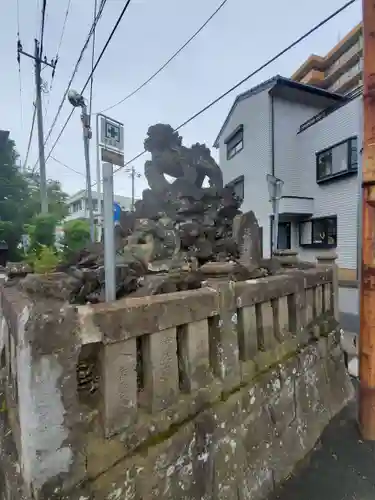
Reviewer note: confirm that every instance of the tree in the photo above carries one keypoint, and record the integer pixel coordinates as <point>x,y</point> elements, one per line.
<point>42,231</point>
<point>76,236</point>
<point>56,197</point>
<point>14,193</point>
<point>20,200</point>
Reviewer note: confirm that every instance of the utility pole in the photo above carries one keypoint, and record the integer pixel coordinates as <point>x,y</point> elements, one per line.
<point>133,174</point>
<point>38,61</point>
<point>77,100</point>
<point>86,137</point>
<point>367,285</point>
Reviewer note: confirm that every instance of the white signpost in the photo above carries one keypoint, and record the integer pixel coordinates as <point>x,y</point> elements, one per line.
<point>110,150</point>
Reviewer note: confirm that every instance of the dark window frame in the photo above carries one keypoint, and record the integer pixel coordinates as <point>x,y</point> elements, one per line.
<point>352,166</point>
<point>240,180</point>
<point>289,234</point>
<point>233,140</point>
<point>323,244</point>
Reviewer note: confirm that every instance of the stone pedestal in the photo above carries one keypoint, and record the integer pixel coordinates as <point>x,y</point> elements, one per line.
<point>286,257</point>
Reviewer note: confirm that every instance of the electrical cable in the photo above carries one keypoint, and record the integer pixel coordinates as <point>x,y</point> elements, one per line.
<point>135,91</point>
<point>63,27</point>
<point>57,56</point>
<point>67,166</point>
<point>44,5</point>
<point>19,64</point>
<point>91,73</point>
<point>253,73</point>
<point>30,139</point>
<point>92,63</point>
<point>62,102</point>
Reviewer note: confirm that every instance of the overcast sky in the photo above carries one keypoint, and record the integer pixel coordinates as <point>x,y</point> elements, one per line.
<point>242,36</point>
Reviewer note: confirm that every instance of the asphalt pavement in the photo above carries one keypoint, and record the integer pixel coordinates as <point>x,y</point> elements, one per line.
<point>341,467</point>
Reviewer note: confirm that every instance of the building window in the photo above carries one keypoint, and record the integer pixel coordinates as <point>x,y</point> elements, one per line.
<point>237,186</point>
<point>284,235</point>
<point>338,160</point>
<point>234,142</point>
<point>76,206</point>
<point>320,232</point>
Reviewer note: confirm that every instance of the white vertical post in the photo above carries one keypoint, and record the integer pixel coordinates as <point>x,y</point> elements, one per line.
<point>109,233</point>
<point>98,181</point>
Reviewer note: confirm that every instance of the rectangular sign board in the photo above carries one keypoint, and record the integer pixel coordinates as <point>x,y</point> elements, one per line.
<point>111,134</point>
<point>112,157</point>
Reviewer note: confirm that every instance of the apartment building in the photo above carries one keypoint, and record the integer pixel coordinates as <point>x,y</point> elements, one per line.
<point>78,205</point>
<point>309,138</point>
<point>340,70</point>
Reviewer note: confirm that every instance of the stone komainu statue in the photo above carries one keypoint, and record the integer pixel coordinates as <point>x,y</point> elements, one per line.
<point>189,166</point>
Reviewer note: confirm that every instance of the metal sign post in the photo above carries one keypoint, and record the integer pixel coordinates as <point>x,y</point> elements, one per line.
<point>275,186</point>
<point>109,233</point>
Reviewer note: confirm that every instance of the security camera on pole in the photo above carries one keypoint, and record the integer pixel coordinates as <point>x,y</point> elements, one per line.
<point>275,187</point>
<point>78,101</point>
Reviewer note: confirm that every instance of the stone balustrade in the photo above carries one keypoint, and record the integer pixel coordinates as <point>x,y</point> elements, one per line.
<point>95,393</point>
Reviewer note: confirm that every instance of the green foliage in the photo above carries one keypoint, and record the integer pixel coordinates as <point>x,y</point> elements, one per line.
<point>42,231</point>
<point>10,233</point>
<point>13,196</point>
<point>46,261</point>
<point>56,198</point>
<point>76,236</point>
<point>20,203</point>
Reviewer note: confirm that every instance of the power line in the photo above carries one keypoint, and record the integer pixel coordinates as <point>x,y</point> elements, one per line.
<point>63,27</point>
<point>57,55</point>
<point>92,72</point>
<point>135,91</point>
<point>19,63</point>
<point>67,166</point>
<point>42,26</point>
<point>62,102</point>
<point>92,62</point>
<point>253,73</point>
<point>30,138</point>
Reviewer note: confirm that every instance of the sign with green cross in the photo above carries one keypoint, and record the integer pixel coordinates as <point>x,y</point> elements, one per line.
<point>111,135</point>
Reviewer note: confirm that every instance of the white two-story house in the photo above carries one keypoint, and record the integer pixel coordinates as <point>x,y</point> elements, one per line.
<point>78,205</point>
<point>309,138</point>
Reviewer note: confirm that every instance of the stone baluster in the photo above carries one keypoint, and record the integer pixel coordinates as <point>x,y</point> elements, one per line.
<point>193,353</point>
<point>331,297</point>
<point>119,385</point>
<point>160,365</point>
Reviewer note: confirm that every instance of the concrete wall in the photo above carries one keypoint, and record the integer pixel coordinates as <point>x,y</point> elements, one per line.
<point>215,393</point>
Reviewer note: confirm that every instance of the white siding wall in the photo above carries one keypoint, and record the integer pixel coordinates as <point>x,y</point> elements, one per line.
<point>337,197</point>
<point>254,161</point>
<point>288,117</point>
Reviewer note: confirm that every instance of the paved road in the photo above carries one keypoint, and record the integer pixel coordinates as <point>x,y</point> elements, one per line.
<point>342,467</point>
<point>349,305</point>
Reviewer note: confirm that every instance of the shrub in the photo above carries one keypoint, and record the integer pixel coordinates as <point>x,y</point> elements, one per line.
<point>46,261</point>
<point>76,236</point>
